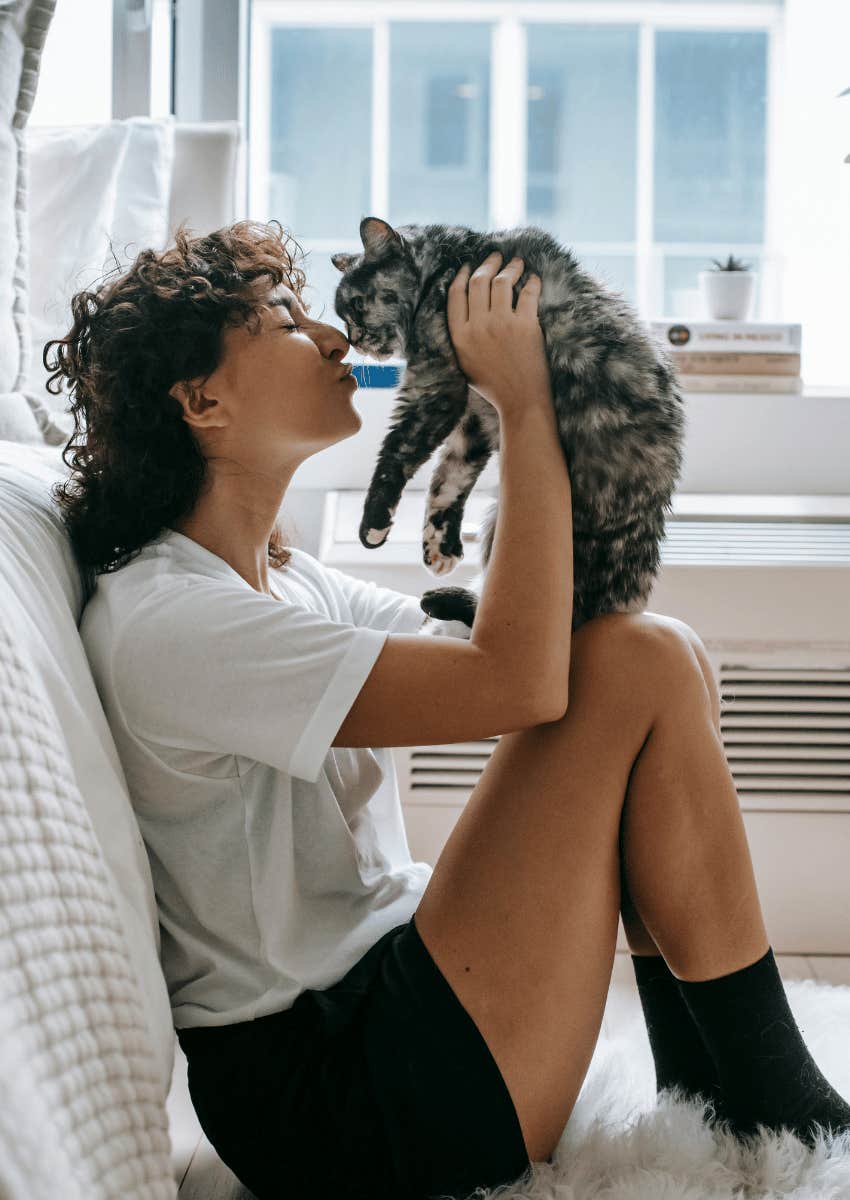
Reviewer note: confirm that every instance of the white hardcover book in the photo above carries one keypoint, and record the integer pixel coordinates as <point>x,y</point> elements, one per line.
<point>740,336</point>
<point>729,362</point>
<point>739,383</point>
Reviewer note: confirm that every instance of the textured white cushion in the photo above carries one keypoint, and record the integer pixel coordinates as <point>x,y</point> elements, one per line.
<point>23,28</point>
<point>89,185</point>
<point>41,597</point>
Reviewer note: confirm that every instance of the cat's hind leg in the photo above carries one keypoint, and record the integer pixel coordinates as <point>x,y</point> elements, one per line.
<point>462,459</point>
<point>422,421</point>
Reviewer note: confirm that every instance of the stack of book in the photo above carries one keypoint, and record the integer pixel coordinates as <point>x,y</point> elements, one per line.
<point>733,356</point>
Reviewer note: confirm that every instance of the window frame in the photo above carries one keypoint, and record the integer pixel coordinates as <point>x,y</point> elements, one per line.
<point>508,126</point>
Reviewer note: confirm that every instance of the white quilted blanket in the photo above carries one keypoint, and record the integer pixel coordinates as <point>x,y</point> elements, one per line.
<point>81,1114</point>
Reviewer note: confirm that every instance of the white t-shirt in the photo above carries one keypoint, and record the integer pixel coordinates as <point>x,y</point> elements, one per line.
<point>277,859</point>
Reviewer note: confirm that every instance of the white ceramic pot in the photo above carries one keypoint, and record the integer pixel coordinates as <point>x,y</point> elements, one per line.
<point>727,295</point>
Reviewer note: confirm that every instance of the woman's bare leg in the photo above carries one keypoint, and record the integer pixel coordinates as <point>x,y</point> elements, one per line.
<point>699,764</point>
<point>639,939</point>
<point>521,911</point>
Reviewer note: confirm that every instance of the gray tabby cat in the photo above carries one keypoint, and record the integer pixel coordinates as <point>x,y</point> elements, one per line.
<point>620,414</point>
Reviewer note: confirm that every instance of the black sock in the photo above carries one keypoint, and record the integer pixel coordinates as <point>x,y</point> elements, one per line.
<point>681,1058</point>
<point>766,1072</point>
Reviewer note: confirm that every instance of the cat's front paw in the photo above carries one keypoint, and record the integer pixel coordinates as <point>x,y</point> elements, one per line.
<point>376,524</point>
<point>441,550</point>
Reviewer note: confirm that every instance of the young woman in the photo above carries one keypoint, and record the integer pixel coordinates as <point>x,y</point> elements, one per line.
<point>355,1022</point>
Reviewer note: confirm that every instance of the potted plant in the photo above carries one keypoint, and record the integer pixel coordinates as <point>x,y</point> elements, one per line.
<point>727,289</point>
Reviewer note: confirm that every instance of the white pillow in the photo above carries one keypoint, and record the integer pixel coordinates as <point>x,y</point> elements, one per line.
<point>89,184</point>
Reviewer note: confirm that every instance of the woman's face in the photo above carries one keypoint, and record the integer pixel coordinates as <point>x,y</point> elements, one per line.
<point>279,393</point>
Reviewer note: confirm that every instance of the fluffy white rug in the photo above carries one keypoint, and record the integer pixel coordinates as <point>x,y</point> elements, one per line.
<point>622,1144</point>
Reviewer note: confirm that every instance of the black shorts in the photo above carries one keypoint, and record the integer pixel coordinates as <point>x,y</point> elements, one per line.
<point>379,1086</point>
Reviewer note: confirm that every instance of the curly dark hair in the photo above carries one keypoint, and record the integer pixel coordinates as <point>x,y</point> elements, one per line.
<point>136,465</point>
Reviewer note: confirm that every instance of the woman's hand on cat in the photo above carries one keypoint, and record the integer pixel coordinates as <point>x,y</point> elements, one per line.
<point>500,349</point>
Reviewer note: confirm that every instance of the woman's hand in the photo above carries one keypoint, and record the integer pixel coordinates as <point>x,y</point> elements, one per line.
<point>500,349</point>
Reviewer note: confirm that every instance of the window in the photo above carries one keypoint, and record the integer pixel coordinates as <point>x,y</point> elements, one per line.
<point>635,133</point>
<point>75,76</point>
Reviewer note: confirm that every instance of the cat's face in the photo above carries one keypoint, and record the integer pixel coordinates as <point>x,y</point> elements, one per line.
<point>374,296</point>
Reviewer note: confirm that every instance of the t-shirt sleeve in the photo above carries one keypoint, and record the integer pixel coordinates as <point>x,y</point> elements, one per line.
<point>228,669</point>
<point>375,607</point>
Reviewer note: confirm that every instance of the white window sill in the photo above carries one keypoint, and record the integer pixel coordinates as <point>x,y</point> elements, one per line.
<point>734,442</point>
<point>839,391</point>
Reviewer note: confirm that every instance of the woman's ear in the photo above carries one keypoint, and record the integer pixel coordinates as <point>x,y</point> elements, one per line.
<point>182,393</point>
<point>199,409</point>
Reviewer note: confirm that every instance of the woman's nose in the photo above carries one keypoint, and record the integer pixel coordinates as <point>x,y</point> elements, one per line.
<point>343,343</point>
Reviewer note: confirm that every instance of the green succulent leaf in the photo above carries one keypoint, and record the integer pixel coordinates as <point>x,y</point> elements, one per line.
<point>731,264</point>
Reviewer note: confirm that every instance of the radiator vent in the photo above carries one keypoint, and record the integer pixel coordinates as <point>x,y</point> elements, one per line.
<point>786,731</point>
<point>454,768</point>
<point>698,543</point>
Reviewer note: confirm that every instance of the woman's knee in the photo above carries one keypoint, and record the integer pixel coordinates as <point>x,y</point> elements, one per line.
<point>647,650</point>
<point>697,645</point>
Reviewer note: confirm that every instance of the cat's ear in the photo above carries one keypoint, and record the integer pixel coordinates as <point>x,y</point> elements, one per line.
<point>342,261</point>
<point>377,236</point>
